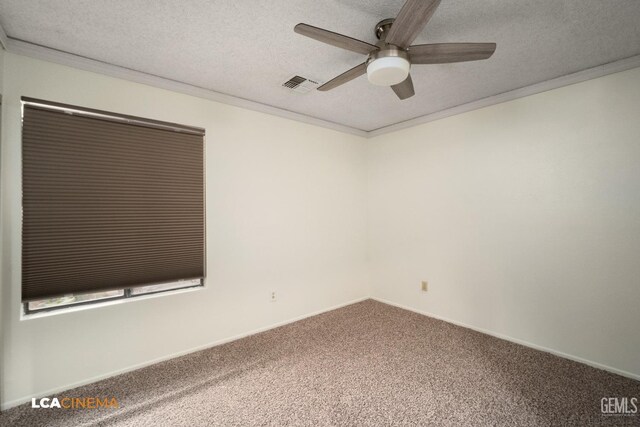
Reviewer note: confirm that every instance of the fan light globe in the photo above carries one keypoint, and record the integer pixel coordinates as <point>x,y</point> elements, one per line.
<point>388,71</point>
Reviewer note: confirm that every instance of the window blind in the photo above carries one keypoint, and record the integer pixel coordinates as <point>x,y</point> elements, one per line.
<point>109,201</point>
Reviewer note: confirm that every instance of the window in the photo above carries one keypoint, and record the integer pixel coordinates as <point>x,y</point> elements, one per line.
<point>113,206</point>
<point>73,300</point>
<point>68,300</point>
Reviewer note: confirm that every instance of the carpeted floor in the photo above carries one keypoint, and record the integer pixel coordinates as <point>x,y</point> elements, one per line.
<point>365,364</point>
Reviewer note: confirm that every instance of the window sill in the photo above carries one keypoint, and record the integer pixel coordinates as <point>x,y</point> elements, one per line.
<point>98,304</point>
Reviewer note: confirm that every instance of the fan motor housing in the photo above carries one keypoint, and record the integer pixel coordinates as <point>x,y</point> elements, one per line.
<point>387,51</point>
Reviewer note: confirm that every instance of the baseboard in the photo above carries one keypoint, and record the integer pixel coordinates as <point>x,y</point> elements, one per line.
<point>515,340</point>
<point>25,399</point>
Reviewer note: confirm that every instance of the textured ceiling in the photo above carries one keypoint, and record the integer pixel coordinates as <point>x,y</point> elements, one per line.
<point>248,48</point>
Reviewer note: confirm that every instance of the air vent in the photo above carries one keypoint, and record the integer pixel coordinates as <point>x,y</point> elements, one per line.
<point>301,84</point>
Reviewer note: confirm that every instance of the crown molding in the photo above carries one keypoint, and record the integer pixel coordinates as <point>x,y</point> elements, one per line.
<point>64,58</point>
<point>569,79</point>
<point>20,47</point>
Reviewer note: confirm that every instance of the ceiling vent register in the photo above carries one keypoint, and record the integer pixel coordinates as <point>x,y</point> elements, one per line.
<point>301,84</point>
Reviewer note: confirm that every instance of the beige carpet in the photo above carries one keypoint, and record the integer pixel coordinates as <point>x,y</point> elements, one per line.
<point>365,364</point>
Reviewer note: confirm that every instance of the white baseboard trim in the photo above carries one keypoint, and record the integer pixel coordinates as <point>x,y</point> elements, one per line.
<point>25,399</point>
<point>515,340</point>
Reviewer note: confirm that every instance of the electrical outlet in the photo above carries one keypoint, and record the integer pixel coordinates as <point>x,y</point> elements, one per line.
<point>424,286</point>
<point>273,296</point>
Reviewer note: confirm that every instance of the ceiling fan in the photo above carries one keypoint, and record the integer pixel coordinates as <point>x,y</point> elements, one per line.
<point>390,60</point>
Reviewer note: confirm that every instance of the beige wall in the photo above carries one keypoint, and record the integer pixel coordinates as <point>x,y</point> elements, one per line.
<point>524,217</point>
<point>285,209</point>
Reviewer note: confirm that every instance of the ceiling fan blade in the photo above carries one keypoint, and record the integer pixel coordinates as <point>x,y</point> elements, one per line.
<point>345,77</point>
<point>335,39</point>
<point>442,53</point>
<point>404,90</point>
<point>412,18</point>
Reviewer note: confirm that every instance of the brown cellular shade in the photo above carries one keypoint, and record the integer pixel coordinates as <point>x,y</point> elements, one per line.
<point>108,202</point>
